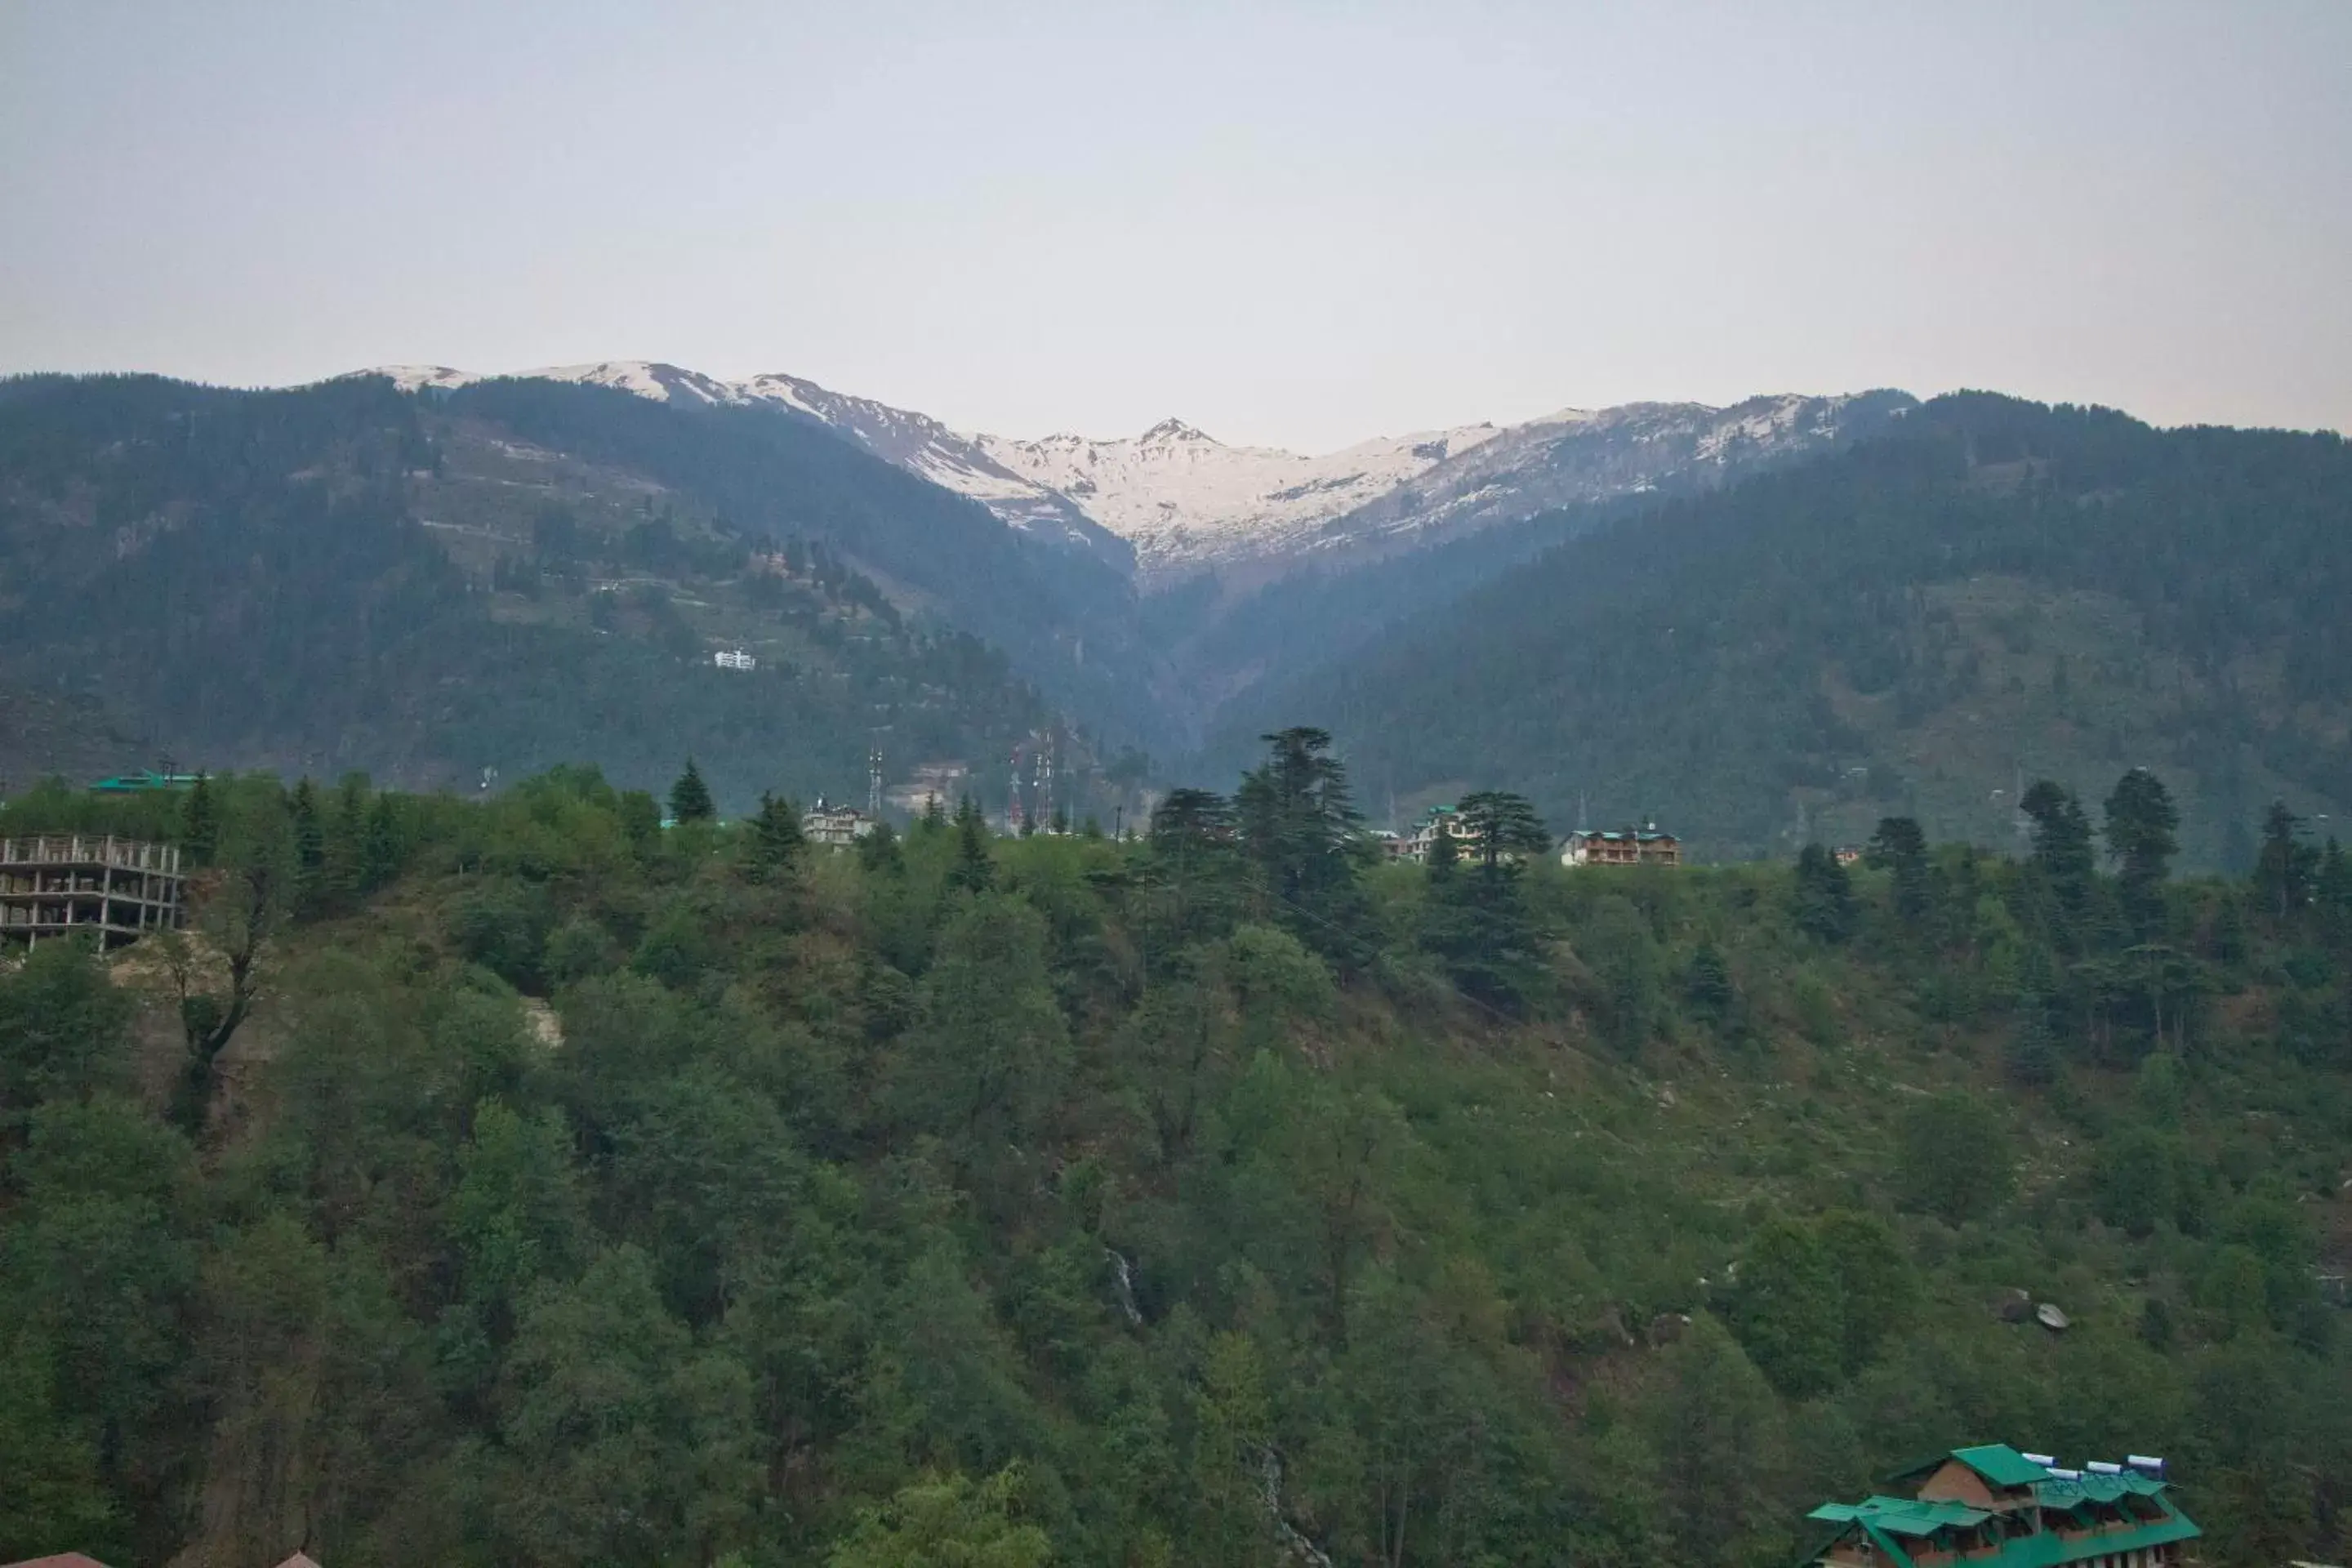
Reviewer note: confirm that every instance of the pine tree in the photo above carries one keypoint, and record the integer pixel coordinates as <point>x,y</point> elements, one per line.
<point>310,840</point>
<point>2063,856</point>
<point>1503,828</point>
<point>344,875</point>
<point>1900,846</point>
<point>2031,1060</point>
<point>2141,825</point>
<point>689,798</point>
<point>1708,983</point>
<point>2284,867</point>
<point>775,841</point>
<point>200,822</point>
<point>1823,896</point>
<point>1480,925</point>
<point>1298,823</point>
<point>385,847</point>
<point>878,853</point>
<point>974,870</point>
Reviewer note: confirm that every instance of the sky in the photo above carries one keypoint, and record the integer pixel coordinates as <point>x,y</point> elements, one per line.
<point>1289,224</point>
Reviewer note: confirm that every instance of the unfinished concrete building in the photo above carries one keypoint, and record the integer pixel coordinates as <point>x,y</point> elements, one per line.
<point>71,884</point>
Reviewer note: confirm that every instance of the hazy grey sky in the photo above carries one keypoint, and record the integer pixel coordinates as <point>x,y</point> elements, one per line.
<point>1296,225</point>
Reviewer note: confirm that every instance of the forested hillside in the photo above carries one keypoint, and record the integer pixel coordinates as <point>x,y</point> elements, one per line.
<point>338,577</point>
<point>1064,615</point>
<point>520,1183</point>
<point>1998,591</point>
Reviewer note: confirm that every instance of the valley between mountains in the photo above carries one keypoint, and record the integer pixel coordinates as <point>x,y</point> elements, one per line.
<point>1765,624</point>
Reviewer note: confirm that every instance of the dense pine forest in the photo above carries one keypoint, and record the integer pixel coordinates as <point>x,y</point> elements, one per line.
<point>342,577</point>
<point>1995,591</point>
<point>522,1181</point>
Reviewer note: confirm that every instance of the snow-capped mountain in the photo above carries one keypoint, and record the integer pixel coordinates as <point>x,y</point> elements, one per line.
<point>1186,500</point>
<point>1584,455</point>
<point>1174,501</point>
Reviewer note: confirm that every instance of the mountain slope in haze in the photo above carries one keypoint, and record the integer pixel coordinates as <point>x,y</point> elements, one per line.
<point>915,442</point>
<point>1997,588</point>
<point>1064,617</point>
<point>341,577</point>
<point>1476,516</point>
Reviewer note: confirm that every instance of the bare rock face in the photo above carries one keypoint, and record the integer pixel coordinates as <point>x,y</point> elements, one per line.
<point>2051,1317</point>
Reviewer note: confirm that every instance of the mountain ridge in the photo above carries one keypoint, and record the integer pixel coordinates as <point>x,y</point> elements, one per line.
<point>1174,501</point>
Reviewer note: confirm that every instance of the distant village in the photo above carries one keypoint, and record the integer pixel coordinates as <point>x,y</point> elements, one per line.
<point>935,783</point>
<point>1644,846</point>
<point>64,884</point>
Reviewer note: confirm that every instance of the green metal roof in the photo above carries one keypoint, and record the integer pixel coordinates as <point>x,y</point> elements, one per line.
<point>2001,1465</point>
<point>1903,1515</point>
<point>125,784</point>
<point>1889,1521</point>
<point>2046,1549</point>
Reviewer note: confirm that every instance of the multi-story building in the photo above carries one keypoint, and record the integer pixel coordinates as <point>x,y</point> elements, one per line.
<point>834,826</point>
<point>1629,846</point>
<point>1415,845</point>
<point>1994,1507</point>
<point>73,884</point>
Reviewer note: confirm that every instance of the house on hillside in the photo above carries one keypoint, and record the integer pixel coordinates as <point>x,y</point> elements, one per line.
<point>1998,1508</point>
<point>1414,846</point>
<point>834,826</point>
<point>1629,846</point>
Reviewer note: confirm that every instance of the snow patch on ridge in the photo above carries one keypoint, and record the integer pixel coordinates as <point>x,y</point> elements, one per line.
<point>1174,499</point>
<point>1186,500</point>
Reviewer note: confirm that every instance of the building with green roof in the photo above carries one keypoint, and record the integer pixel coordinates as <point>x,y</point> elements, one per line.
<point>1994,1506</point>
<point>142,781</point>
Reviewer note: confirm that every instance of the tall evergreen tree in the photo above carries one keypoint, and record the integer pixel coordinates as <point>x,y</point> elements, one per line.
<point>1300,824</point>
<point>1823,896</point>
<point>2063,856</point>
<point>775,840</point>
<point>878,853</point>
<point>200,822</point>
<point>386,846</point>
<point>1900,846</point>
<point>974,870</point>
<point>2284,867</point>
<point>1479,924</point>
<point>689,798</point>
<point>1503,828</point>
<point>1193,857</point>
<point>2142,822</point>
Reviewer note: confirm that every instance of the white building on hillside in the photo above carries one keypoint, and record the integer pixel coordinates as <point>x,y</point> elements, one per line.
<point>835,827</point>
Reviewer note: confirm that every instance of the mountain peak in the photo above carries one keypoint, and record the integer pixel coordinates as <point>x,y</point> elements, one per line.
<point>1174,429</point>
